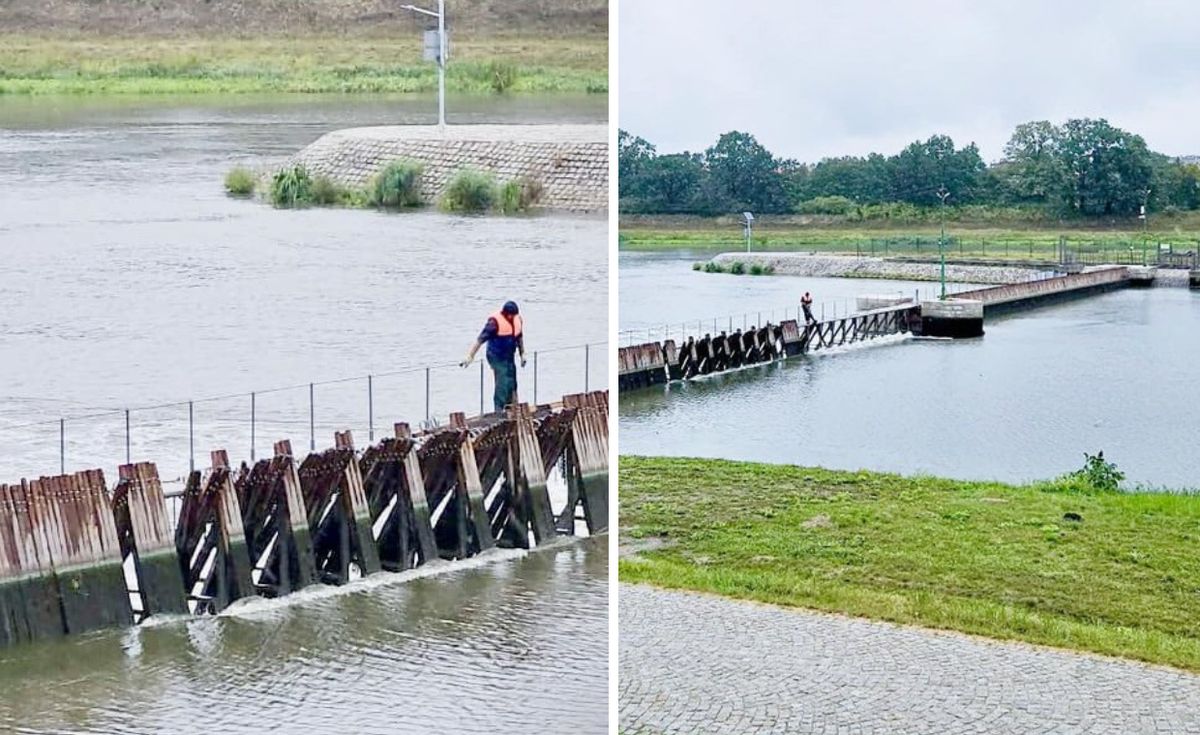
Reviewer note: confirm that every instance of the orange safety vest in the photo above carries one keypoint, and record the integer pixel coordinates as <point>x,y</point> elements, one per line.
<point>505,328</point>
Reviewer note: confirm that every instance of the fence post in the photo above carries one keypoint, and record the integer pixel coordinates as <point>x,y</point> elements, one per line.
<point>427,395</point>
<point>587,364</point>
<point>191,438</point>
<point>312,419</point>
<point>253,398</point>
<point>127,453</point>
<point>62,446</point>
<point>371,409</point>
<point>535,377</point>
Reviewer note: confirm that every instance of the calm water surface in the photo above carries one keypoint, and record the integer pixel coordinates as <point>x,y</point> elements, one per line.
<point>1117,372</point>
<point>129,279</point>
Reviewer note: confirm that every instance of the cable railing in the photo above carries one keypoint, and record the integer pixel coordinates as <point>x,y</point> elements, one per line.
<point>246,421</point>
<point>822,311</point>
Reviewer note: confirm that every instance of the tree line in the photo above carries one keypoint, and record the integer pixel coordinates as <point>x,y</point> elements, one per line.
<point>1083,167</point>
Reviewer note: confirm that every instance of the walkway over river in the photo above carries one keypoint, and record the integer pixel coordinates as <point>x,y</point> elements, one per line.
<point>657,362</point>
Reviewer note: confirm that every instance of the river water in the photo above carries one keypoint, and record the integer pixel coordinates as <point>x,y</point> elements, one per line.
<point>517,644</point>
<point>129,280</point>
<point>1117,372</point>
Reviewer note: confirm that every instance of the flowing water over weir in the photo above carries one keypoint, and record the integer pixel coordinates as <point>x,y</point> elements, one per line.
<point>75,557</point>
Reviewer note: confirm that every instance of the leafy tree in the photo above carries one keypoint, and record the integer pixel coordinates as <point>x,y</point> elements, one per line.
<point>1110,170</point>
<point>673,183</point>
<point>633,153</point>
<point>746,174</point>
<point>1033,168</point>
<point>922,168</point>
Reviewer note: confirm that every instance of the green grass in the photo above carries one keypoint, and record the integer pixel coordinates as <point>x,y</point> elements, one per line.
<point>983,558</point>
<point>240,182</point>
<point>292,188</point>
<point>1014,240</point>
<point>397,185</point>
<point>119,66</point>
<point>470,191</point>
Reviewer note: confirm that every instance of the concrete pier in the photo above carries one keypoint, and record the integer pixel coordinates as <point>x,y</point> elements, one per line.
<point>956,318</point>
<point>568,162</point>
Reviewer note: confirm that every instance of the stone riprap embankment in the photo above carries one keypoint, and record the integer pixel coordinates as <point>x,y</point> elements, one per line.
<point>816,265</point>
<point>570,162</point>
<point>696,663</point>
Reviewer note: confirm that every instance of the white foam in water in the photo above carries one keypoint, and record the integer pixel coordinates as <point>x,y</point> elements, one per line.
<point>255,607</point>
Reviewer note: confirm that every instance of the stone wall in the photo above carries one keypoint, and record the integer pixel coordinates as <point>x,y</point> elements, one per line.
<point>569,161</point>
<point>814,265</point>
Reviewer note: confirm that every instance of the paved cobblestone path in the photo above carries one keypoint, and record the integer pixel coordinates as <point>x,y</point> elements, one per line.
<point>700,664</point>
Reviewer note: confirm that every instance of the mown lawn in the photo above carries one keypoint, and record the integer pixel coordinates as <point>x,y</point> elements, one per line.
<point>86,65</point>
<point>984,558</point>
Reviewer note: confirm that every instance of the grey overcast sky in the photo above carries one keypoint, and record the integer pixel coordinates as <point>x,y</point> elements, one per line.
<point>817,79</point>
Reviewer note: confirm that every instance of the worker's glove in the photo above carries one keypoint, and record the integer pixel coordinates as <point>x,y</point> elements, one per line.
<point>464,363</point>
<point>522,361</point>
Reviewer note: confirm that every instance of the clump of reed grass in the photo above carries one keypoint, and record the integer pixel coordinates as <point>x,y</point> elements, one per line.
<point>397,185</point>
<point>470,191</point>
<point>240,182</point>
<point>292,188</point>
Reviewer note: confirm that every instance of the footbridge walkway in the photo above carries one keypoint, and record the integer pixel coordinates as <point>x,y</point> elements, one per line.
<point>658,362</point>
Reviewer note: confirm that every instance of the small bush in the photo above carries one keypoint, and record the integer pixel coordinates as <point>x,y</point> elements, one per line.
<point>1096,476</point>
<point>826,205</point>
<point>757,270</point>
<point>502,76</point>
<point>519,195</point>
<point>697,266</point>
<point>712,267</point>
<point>292,188</point>
<point>397,185</point>
<point>737,268</point>
<point>510,198</point>
<point>1098,473</point>
<point>327,192</point>
<point>470,191</point>
<point>240,182</point>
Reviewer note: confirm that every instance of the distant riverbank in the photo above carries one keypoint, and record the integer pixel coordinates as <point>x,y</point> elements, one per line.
<point>965,236</point>
<point>1049,563</point>
<point>86,65</point>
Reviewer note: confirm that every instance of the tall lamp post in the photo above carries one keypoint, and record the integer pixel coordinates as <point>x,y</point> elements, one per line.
<point>943,194</point>
<point>747,218</point>
<point>441,55</point>
<point>1145,222</point>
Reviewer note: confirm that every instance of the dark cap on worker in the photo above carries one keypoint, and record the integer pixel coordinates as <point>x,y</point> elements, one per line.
<point>510,307</point>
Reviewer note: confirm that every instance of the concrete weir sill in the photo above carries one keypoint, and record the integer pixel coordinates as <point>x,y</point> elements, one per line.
<point>569,161</point>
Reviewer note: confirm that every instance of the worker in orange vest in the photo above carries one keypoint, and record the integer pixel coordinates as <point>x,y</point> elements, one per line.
<point>505,337</point>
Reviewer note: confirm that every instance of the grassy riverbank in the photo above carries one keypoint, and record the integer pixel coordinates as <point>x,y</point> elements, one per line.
<point>990,559</point>
<point>33,65</point>
<point>968,236</point>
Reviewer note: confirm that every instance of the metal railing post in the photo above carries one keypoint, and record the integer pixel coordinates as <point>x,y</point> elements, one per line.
<point>427,414</point>
<point>252,423</point>
<point>127,452</point>
<point>587,364</point>
<point>312,419</point>
<point>535,372</point>
<point>191,438</point>
<point>481,384</point>
<point>371,409</point>
<point>62,446</point>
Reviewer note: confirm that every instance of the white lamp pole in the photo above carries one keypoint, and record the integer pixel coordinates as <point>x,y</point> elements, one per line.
<point>747,219</point>
<point>441,59</point>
